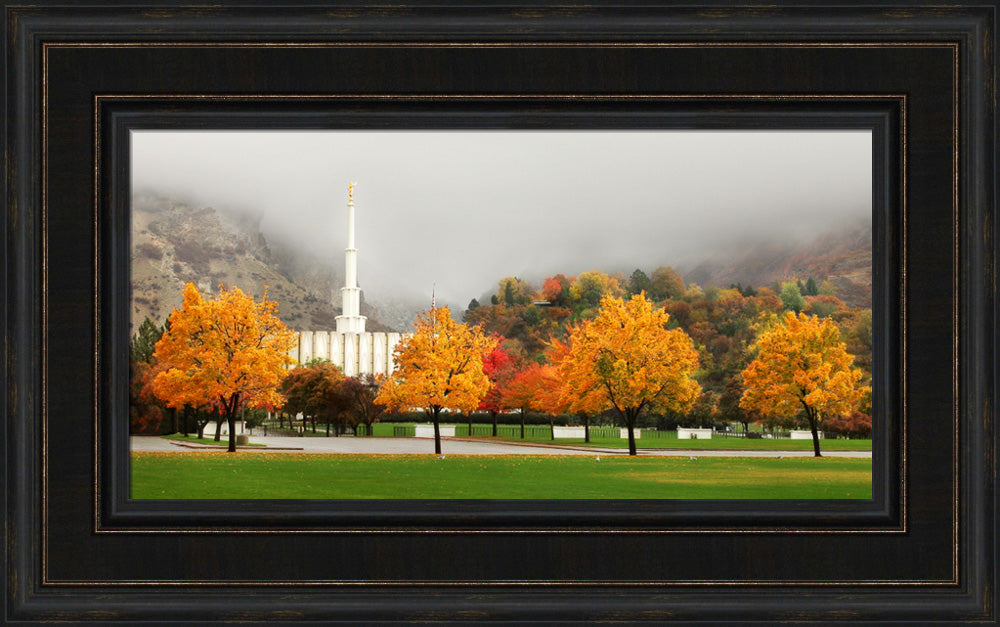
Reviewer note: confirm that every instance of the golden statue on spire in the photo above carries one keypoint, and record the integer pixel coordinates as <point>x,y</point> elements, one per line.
<point>350,192</point>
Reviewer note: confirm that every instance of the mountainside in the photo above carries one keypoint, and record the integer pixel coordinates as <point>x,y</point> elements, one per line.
<point>844,258</point>
<point>174,243</point>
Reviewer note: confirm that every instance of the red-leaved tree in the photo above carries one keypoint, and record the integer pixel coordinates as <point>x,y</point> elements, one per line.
<point>856,424</point>
<point>498,366</point>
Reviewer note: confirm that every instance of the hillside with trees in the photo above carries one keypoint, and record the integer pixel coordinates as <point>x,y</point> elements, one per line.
<point>723,325</point>
<point>841,258</point>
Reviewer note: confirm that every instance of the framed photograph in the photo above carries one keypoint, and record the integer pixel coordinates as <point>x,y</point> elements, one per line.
<point>558,129</point>
<point>524,235</point>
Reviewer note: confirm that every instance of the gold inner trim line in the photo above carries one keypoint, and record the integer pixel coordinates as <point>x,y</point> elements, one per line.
<point>503,44</point>
<point>760,583</point>
<point>501,97</point>
<point>45,276</point>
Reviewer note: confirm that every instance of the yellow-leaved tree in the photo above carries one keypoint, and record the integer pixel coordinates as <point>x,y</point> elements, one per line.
<point>624,358</point>
<point>230,351</point>
<point>439,366</point>
<point>802,366</point>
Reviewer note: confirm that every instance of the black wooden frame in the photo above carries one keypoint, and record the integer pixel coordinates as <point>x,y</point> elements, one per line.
<point>79,75</point>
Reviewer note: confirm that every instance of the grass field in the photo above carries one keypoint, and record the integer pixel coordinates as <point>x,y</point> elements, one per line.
<point>218,475</point>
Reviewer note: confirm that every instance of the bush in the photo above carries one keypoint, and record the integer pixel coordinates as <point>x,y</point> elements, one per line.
<point>150,250</point>
<point>856,425</point>
<point>196,254</point>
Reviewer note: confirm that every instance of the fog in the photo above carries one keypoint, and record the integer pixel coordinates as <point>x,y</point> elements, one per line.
<point>460,210</point>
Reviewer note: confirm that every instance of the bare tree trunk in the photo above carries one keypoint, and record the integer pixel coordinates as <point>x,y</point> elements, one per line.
<point>811,416</point>
<point>218,426</point>
<point>630,415</point>
<point>231,419</point>
<point>437,431</point>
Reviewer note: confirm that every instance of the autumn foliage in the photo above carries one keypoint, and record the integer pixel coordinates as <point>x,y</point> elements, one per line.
<point>625,358</point>
<point>802,366</point>
<point>439,366</point>
<point>315,391</point>
<point>230,351</point>
<point>499,367</point>
<point>855,424</point>
<point>145,414</point>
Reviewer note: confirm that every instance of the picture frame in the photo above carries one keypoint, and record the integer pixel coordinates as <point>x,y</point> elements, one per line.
<point>81,75</point>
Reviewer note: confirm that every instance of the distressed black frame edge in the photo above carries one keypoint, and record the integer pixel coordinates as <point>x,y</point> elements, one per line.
<point>118,116</point>
<point>974,600</point>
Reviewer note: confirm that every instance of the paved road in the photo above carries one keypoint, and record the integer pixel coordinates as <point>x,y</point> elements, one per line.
<point>349,445</point>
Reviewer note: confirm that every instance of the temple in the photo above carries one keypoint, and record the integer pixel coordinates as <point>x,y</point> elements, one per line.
<point>351,348</point>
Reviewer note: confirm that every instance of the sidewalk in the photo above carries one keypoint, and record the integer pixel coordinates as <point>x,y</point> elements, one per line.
<point>453,446</point>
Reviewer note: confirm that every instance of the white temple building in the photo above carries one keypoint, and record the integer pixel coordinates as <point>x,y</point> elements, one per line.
<point>351,348</point>
<point>350,320</point>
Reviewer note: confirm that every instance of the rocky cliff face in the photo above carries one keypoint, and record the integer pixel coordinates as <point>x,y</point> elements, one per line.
<point>174,243</point>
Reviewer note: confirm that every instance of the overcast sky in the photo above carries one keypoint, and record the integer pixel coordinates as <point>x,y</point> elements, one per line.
<point>463,209</point>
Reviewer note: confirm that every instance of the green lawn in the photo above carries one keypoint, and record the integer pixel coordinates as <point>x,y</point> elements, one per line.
<point>220,475</point>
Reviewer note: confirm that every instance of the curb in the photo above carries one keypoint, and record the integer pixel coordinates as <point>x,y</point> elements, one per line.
<point>211,447</point>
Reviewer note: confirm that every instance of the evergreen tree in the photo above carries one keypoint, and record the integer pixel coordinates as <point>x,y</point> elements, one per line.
<point>508,294</point>
<point>638,283</point>
<point>473,305</point>
<point>143,342</point>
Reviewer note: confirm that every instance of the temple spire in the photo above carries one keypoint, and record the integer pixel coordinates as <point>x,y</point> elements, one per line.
<point>350,320</point>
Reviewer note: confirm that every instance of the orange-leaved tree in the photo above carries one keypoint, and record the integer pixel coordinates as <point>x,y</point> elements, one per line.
<point>625,358</point>
<point>802,366</point>
<point>533,387</point>
<point>562,394</point>
<point>230,351</point>
<point>439,366</point>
